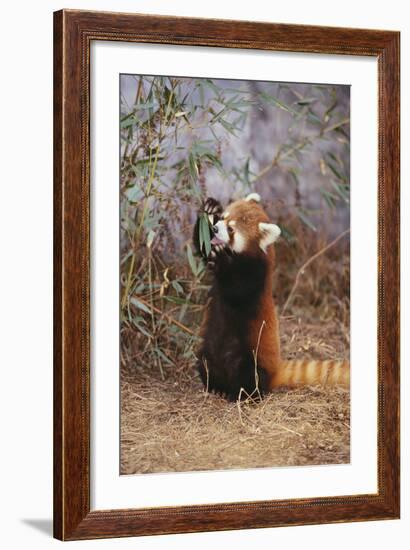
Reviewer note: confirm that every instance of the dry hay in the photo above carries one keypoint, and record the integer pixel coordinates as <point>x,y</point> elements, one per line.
<point>172,425</point>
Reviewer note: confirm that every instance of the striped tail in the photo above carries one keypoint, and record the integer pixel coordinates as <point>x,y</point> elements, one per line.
<point>312,372</point>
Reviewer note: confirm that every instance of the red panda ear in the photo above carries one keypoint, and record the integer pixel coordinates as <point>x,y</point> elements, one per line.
<point>270,232</point>
<point>253,197</point>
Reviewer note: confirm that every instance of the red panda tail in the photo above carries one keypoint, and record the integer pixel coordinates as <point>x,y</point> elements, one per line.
<point>311,372</point>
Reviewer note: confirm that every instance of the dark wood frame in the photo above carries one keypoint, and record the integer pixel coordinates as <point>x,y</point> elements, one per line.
<point>73,33</point>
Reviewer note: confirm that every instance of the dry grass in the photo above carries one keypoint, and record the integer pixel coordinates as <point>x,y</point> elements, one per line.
<point>172,425</point>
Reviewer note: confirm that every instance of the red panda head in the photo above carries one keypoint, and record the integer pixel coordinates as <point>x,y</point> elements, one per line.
<point>245,227</point>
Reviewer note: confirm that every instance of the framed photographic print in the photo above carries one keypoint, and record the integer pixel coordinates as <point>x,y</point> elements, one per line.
<point>226,280</point>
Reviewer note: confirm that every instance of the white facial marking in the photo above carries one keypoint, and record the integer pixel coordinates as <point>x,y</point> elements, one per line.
<point>270,232</point>
<point>239,242</point>
<point>222,232</point>
<point>232,223</point>
<point>225,215</point>
<point>253,197</point>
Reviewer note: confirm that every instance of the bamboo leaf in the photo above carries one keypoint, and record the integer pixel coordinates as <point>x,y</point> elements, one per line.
<point>191,260</point>
<point>150,238</point>
<point>211,85</point>
<point>142,106</point>
<point>178,287</point>
<point>286,234</point>
<point>305,219</point>
<point>143,330</point>
<point>178,300</point>
<point>163,356</point>
<point>330,109</point>
<point>294,176</point>
<point>199,148</point>
<point>214,160</point>
<point>140,305</point>
<point>272,100</point>
<point>306,101</point>
<point>330,198</point>
<point>204,233</point>
<point>335,171</point>
<point>134,194</point>
<point>246,172</point>
<point>228,126</point>
<point>201,238</point>
<point>313,118</point>
<point>128,122</point>
<point>193,168</point>
<point>341,190</point>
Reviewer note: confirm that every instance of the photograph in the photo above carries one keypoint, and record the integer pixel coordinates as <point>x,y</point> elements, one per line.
<point>234,275</point>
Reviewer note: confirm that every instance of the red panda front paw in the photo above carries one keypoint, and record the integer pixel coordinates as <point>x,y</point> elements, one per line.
<point>213,209</point>
<point>220,253</point>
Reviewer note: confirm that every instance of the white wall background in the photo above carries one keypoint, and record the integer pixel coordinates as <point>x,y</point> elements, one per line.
<point>26,269</point>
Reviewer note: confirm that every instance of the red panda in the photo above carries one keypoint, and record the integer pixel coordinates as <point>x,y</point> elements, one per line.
<point>240,351</point>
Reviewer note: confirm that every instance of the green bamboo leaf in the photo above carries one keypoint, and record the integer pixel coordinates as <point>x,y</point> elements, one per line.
<point>143,330</point>
<point>124,115</point>
<point>128,122</point>
<point>140,287</point>
<point>334,158</point>
<point>191,260</point>
<point>200,148</point>
<point>306,101</point>
<point>341,190</point>
<point>236,105</point>
<point>204,233</point>
<point>177,300</point>
<point>330,198</point>
<point>140,305</point>
<point>335,171</point>
<point>313,118</point>
<point>305,219</point>
<point>341,130</point>
<point>150,238</point>
<point>139,319</point>
<point>201,237</point>
<point>193,168</point>
<point>163,356</point>
<point>178,287</point>
<point>211,85</point>
<point>134,194</point>
<point>272,100</point>
<point>201,267</point>
<point>246,172</point>
<point>236,91</point>
<point>330,109</point>
<point>228,126</point>
<point>286,234</point>
<point>214,160</point>
<point>218,115</point>
<point>142,106</point>
<point>294,176</point>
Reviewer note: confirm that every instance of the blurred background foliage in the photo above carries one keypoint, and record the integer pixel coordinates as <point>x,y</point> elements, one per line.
<point>183,139</point>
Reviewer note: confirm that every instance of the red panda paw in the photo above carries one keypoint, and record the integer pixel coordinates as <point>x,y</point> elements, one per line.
<point>212,207</point>
<point>220,253</point>
<point>217,249</point>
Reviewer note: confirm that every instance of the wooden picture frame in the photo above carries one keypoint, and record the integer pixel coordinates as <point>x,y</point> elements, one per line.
<point>74,32</point>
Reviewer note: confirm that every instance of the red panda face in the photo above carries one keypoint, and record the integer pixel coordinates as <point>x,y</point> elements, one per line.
<point>245,227</point>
